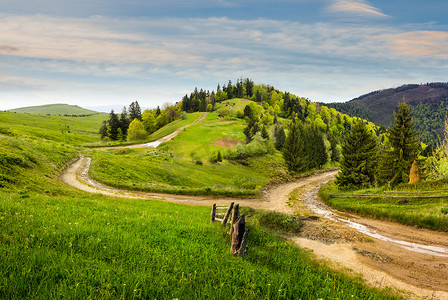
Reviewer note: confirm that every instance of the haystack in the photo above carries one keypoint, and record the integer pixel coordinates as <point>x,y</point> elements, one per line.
<point>414,175</point>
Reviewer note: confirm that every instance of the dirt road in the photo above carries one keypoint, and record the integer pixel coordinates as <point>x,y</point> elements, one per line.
<point>384,253</point>
<point>381,263</point>
<point>159,141</point>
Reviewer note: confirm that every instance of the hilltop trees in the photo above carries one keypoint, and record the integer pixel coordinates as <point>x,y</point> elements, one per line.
<point>152,119</point>
<point>359,158</point>
<point>134,111</point>
<point>397,158</point>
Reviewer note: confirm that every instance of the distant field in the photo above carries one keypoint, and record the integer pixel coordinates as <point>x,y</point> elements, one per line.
<point>55,110</point>
<point>71,130</point>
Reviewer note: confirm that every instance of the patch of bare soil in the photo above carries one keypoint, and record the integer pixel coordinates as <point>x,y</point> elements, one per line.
<point>226,142</point>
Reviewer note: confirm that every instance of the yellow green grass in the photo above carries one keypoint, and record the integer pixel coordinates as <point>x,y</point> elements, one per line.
<point>56,110</point>
<point>199,138</point>
<point>60,243</point>
<point>409,206</point>
<point>70,130</point>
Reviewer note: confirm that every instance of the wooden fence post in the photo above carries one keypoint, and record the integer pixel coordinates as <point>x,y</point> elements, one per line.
<point>226,217</point>
<point>239,237</point>
<point>235,215</point>
<point>213,213</point>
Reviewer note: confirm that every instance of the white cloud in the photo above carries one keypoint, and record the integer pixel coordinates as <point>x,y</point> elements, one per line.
<point>359,8</point>
<point>142,58</point>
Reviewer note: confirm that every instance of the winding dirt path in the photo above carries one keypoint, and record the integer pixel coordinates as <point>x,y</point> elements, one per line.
<point>164,139</point>
<point>412,260</point>
<point>380,262</point>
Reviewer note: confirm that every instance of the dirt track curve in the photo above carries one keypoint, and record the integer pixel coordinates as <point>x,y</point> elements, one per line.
<point>392,256</point>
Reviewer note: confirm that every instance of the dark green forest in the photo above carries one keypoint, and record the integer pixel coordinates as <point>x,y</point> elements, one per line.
<point>429,103</point>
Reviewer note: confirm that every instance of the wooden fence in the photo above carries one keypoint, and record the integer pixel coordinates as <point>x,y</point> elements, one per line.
<point>238,230</point>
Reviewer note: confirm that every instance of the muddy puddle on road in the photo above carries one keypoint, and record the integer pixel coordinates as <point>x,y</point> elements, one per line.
<point>312,203</point>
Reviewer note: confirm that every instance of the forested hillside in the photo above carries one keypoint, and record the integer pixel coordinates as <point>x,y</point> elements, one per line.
<point>308,134</point>
<point>429,102</point>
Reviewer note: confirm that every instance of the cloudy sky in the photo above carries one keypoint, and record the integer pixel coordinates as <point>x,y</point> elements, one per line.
<point>113,52</point>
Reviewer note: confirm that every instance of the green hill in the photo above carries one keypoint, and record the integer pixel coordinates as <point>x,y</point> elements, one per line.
<point>55,110</point>
<point>429,101</point>
<point>59,242</point>
<point>66,129</point>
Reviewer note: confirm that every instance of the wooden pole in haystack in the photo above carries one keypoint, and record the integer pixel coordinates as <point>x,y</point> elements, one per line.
<point>414,175</point>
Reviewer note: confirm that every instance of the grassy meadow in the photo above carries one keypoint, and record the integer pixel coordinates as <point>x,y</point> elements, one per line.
<point>405,204</point>
<point>199,138</point>
<point>56,110</point>
<point>68,130</point>
<point>182,165</point>
<point>57,242</point>
<point>82,246</point>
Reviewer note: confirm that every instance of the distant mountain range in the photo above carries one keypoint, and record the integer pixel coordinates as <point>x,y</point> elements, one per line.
<point>429,101</point>
<point>56,110</point>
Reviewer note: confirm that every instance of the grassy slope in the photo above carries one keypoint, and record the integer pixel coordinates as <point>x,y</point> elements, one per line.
<point>171,169</point>
<point>57,242</point>
<point>70,130</point>
<point>173,126</point>
<point>55,110</point>
<point>422,212</point>
<point>97,247</point>
<point>199,138</point>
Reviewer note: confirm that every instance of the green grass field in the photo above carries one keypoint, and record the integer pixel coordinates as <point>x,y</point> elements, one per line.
<point>431,213</point>
<point>83,247</point>
<point>69,130</point>
<point>57,242</point>
<point>157,171</point>
<point>173,167</point>
<point>55,110</point>
<point>199,138</point>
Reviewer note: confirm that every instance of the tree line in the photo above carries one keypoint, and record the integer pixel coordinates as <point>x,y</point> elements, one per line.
<point>366,162</point>
<point>132,124</point>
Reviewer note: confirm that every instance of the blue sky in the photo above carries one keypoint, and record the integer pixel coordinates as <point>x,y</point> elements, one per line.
<point>110,52</point>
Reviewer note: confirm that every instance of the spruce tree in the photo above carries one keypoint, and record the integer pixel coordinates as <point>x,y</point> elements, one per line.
<point>397,158</point>
<point>124,121</point>
<point>359,158</point>
<point>304,148</point>
<point>134,111</point>
<point>114,124</point>
<point>292,148</point>
<point>264,133</point>
<point>103,130</point>
<point>280,137</point>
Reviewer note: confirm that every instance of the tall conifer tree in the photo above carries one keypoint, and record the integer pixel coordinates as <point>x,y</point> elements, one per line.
<point>396,160</point>
<point>293,148</point>
<point>114,125</point>
<point>359,158</point>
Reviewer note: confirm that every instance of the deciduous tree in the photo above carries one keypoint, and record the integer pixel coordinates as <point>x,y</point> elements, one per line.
<point>136,131</point>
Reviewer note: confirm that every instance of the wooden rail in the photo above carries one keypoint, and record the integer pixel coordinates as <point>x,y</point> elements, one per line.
<point>238,230</point>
